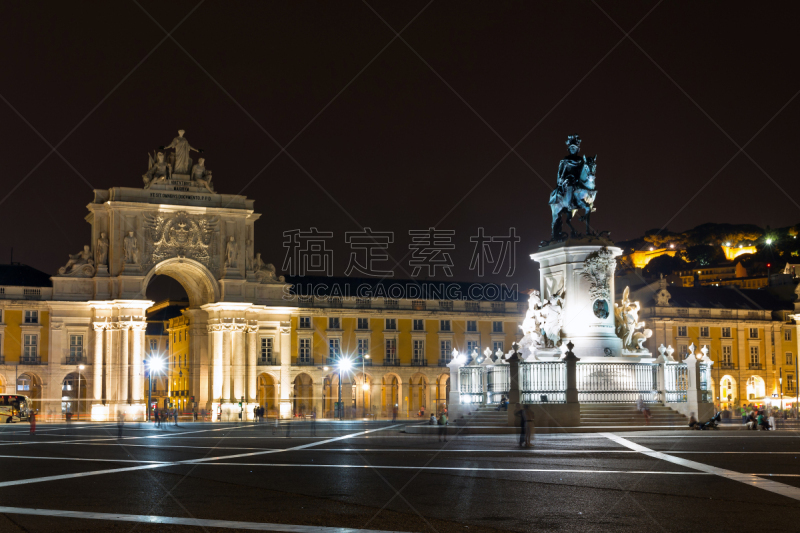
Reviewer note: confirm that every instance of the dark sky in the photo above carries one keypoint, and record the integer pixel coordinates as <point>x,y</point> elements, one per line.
<point>395,138</point>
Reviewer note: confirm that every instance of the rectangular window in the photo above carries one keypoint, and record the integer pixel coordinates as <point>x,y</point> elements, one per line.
<point>704,331</point>
<point>444,325</point>
<point>31,347</point>
<point>754,355</point>
<point>266,347</point>
<point>682,350</point>
<point>497,345</point>
<point>334,348</point>
<point>753,333</point>
<point>419,324</point>
<point>391,349</point>
<point>153,344</point>
<point>304,350</point>
<point>419,350</point>
<point>497,327</point>
<point>363,347</point>
<point>363,323</point>
<point>787,334</point>
<point>76,347</point>
<point>790,382</point>
<point>472,325</point>
<point>789,358</point>
<point>31,317</point>
<point>726,355</point>
<point>472,348</point>
<point>445,350</point>
<point>682,331</point>
<point>334,322</point>
<point>305,322</point>
<point>391,324</point>
<point>726,333</point>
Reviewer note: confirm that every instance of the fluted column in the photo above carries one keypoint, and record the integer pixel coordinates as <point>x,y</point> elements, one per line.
<point>215,336</point>
<point>286,363</point>
<point>252,356</point>
<point>137,368</point>
<point>238,360</point>
<point>226,365</point>
<point>98,361</point>
<point>111,364</point>
<point>124,368</point>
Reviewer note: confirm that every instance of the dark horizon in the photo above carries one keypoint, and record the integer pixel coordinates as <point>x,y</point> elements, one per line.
<point>400,144</point>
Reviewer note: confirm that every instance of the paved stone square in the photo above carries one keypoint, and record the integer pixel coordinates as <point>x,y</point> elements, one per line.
<point>373,477</point>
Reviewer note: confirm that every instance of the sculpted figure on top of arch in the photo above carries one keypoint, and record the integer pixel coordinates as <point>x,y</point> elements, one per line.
<point>182,162</point>
<point>79,265</point>
<point>266,272</point>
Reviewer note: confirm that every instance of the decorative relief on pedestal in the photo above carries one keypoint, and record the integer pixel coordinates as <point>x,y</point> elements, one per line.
<point>80,265</point>
<point>598,269</point>
<point>626,318</point>
<point>180,235</point>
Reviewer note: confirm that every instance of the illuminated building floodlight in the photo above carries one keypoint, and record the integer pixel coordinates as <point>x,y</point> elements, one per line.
<point>156,364</point>
<point>345,364</point>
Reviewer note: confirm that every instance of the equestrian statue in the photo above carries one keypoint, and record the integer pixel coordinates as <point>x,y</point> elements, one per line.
<point>575,190</point>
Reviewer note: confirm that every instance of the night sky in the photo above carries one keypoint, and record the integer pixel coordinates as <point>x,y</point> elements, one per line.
<point>407,133</point>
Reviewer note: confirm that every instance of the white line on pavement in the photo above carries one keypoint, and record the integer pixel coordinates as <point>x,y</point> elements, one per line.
<point>149,519</point>
<point>748,479</point>
<point>187,462</point>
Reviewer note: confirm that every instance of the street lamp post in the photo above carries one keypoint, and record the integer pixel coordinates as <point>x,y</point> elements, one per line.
<point>343,364</point>
<point>153,364</point>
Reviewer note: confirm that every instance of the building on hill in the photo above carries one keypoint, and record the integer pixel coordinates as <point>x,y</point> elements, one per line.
<point>752,337</point>
<point>726,274</point>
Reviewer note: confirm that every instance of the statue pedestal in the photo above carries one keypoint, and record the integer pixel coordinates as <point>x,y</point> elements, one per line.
<point>102,271</point>
<point>588,311</point>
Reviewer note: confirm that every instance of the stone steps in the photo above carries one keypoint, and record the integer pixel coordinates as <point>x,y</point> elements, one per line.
<point>626,415</point>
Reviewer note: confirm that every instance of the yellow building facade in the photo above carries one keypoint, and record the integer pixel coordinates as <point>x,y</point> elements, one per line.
<point>177,365</point>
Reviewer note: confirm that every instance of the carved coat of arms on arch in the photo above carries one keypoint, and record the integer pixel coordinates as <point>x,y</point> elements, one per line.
<point>180,235</point>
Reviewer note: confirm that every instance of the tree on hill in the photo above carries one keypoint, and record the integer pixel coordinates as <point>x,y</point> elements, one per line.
<point>664,264</point>
<point>705,254</point>
<point>661,238</point>
<point>712,233</point>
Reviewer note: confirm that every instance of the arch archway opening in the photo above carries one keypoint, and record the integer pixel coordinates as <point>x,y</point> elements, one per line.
<point>73,395</point>
<point>196,280</point>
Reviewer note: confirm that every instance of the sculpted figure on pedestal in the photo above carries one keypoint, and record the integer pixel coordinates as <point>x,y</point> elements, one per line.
<point>626,318</point>
<point>80,264</point>
<point>574,190</point>
<point>102,250</point>
<point>532,326</point>
<point>157,169</point>
<point>230,253</point>
<point>130,249</point>
<point>552,319</point>
<point>265,272</point>
<point>202,175</point>
<point>182,149</point>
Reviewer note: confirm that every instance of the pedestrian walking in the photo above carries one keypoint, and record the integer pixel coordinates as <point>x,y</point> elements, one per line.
<point>120,423</point>
<point>175,414</point>
<point>314,422</point>
<point>394,413</point>
<point>289,428</point>
<point>530,425</point>
<point>518,411</point>
<point>443,427</point>
<point>32,420</point>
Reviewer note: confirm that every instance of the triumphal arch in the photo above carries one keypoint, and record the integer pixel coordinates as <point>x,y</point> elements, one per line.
<point>175,225</point>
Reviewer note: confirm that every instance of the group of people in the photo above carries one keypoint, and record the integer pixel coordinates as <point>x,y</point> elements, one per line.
<point>259,413</point>
<point>756,420</point>
<point>165,415</point>
<point>503,405</point>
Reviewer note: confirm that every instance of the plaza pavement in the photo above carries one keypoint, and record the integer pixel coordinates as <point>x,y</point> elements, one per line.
<point>372,477</point>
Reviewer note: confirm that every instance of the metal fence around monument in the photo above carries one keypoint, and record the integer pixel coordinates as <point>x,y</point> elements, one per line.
<point>617,382</point>
<point>497,382</point>
<point>676,382</point>
<point>543,382</point>
<point>471,384</point>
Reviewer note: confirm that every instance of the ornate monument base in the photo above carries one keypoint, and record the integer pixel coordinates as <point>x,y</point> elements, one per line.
<point>584,270</point>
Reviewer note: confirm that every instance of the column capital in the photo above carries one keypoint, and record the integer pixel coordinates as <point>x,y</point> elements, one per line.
<point>99,326</point>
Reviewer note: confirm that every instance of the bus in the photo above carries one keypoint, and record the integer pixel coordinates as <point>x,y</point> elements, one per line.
<point>14,407</point>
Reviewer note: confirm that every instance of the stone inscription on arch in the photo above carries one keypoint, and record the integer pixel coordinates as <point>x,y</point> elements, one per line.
<point>180,234</point>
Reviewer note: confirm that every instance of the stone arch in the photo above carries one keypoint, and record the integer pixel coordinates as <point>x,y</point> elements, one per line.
<point>728,392</point>
<point>74,395</point>
<point>302,394</point>
<point>364,396</point>
<point>418,393</point>
<point>268,385</point>
<point>442,391</point>
<point>756,388</point>
<point>198,282</point>
<point>391,393</point>
<point>30,384</point>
